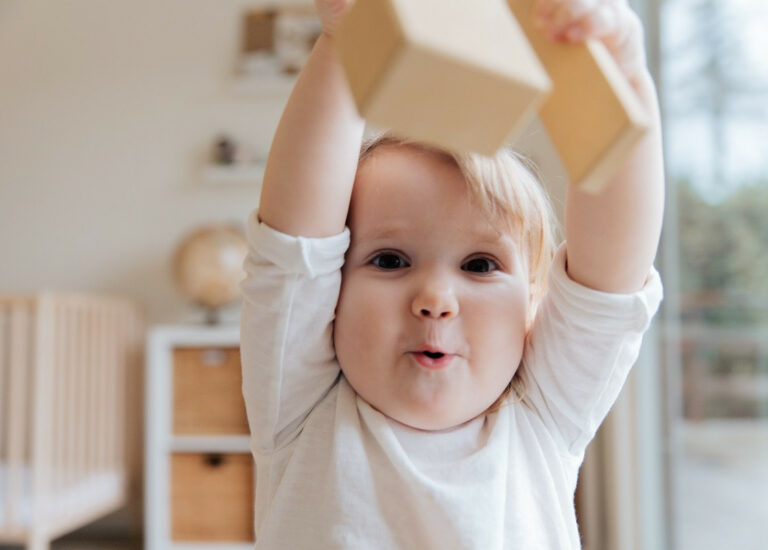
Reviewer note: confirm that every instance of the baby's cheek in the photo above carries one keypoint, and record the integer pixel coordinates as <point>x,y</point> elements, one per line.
<point>361,304</point>
<point>506,317</point>
<point>510,301</point>
<point>361,299</point>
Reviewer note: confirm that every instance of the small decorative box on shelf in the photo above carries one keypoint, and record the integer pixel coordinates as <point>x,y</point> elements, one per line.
<point>199,475</point>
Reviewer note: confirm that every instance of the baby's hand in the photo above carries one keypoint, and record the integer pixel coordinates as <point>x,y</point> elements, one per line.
<point>331,12</point>
<point>611,21</point>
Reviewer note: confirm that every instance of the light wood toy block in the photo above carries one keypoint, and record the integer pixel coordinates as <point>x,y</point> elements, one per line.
<point>450,73</point>
<point>592,116</point>
<point>462,76</point>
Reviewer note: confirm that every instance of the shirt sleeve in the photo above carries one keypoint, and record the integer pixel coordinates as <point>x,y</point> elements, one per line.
<point>290,291</point>
<point>580,350</point>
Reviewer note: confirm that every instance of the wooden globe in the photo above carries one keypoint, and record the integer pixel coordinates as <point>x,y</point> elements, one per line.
<point>208,267</point>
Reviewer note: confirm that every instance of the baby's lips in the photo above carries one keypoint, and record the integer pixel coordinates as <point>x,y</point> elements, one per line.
<point>433,361</point>
<point>426,348</point>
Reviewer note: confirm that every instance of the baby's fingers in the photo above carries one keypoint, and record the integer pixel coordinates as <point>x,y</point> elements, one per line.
<point>555,16</point>
<point>611,21</point>
<point>582,19</point>
<point>331,12</point>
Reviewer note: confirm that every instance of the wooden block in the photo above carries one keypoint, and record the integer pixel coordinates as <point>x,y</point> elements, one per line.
<point>212,497</point>
<point>592,115</point>
<point>456,74</point>
<point>207,392</point>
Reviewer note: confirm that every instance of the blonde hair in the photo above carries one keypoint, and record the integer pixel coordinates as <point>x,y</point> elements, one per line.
<point>507,188</point>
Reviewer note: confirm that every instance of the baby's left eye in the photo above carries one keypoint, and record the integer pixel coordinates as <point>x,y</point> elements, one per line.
<point>480,265</point>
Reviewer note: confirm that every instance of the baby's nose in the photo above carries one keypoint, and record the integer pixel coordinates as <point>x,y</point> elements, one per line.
<point>435,303</point>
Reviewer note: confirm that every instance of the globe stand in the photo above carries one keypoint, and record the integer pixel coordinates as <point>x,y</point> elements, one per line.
<point>212,316</point>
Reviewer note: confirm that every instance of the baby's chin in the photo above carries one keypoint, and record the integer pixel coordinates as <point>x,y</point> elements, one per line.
<point>432,425</point>
<point>423,410</point>
<point>425,420</point>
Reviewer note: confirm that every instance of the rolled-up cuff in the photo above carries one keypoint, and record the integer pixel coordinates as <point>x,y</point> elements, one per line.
<point>606,310</point>
<point>301,255</point>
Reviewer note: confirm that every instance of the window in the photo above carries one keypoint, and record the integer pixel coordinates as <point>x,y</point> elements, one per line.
<point>714,87</point>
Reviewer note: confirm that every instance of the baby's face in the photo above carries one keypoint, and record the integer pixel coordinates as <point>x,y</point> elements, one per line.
<point>430,322</point>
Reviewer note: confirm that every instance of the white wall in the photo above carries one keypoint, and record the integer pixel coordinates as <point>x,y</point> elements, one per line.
<point>107,111</point>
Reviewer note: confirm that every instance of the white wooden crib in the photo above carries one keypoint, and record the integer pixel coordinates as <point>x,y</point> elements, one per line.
<point>65,363</point>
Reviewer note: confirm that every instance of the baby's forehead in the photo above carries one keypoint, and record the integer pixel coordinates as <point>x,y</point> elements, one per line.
<point>394,177</point>
<point>384,160</point>
<point>403,227</point>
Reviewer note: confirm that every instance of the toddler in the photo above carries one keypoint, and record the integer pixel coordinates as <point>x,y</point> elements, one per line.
<point>422,367</point>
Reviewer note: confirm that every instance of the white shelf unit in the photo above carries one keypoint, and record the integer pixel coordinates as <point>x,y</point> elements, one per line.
<point>162,443</point>
<point>213,444</point>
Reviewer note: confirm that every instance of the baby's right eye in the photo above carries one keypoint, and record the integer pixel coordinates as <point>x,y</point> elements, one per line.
<point>389,261</point>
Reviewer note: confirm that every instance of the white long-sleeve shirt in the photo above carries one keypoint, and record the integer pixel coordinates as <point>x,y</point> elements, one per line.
<point>332,472</point>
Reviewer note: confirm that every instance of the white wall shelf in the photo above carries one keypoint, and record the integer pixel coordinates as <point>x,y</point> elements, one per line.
<point>226,175</point>
<point>256,85</point>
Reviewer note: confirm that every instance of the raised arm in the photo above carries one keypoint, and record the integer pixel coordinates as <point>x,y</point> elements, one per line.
<point>313,158</point>
<point>291,284</point>
<point>613,236</point>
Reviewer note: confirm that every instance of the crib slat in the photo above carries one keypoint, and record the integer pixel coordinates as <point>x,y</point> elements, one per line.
<point>43,402</point>
<point>5,373</point>
<point>69,384</point>
<point>102,387</point>
<point>57,375</point>
<point>74,392</point>
<point>54,341</point>
<point>71,440</point>
<point>111,381</point>
<point>80,389</point>
<point>104,367</point>
<point>117,432</point>
<point>90,395</point>
<point>95,397</point>
<point>61,390</point>
<point>17,422</point>
<point>82,385</point>
<point>120,386</point>
<point>137,395</point>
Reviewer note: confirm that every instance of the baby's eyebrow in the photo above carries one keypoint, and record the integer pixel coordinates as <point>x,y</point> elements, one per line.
<point>385,232</point>
<point>483,236</point>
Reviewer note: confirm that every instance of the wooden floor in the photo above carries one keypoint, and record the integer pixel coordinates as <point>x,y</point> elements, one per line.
<point>120,530</point>
<point>97,544</point>
<point>80,543</point>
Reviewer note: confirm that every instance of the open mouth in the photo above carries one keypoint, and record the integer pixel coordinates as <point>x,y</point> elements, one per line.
<point>433,360</point>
